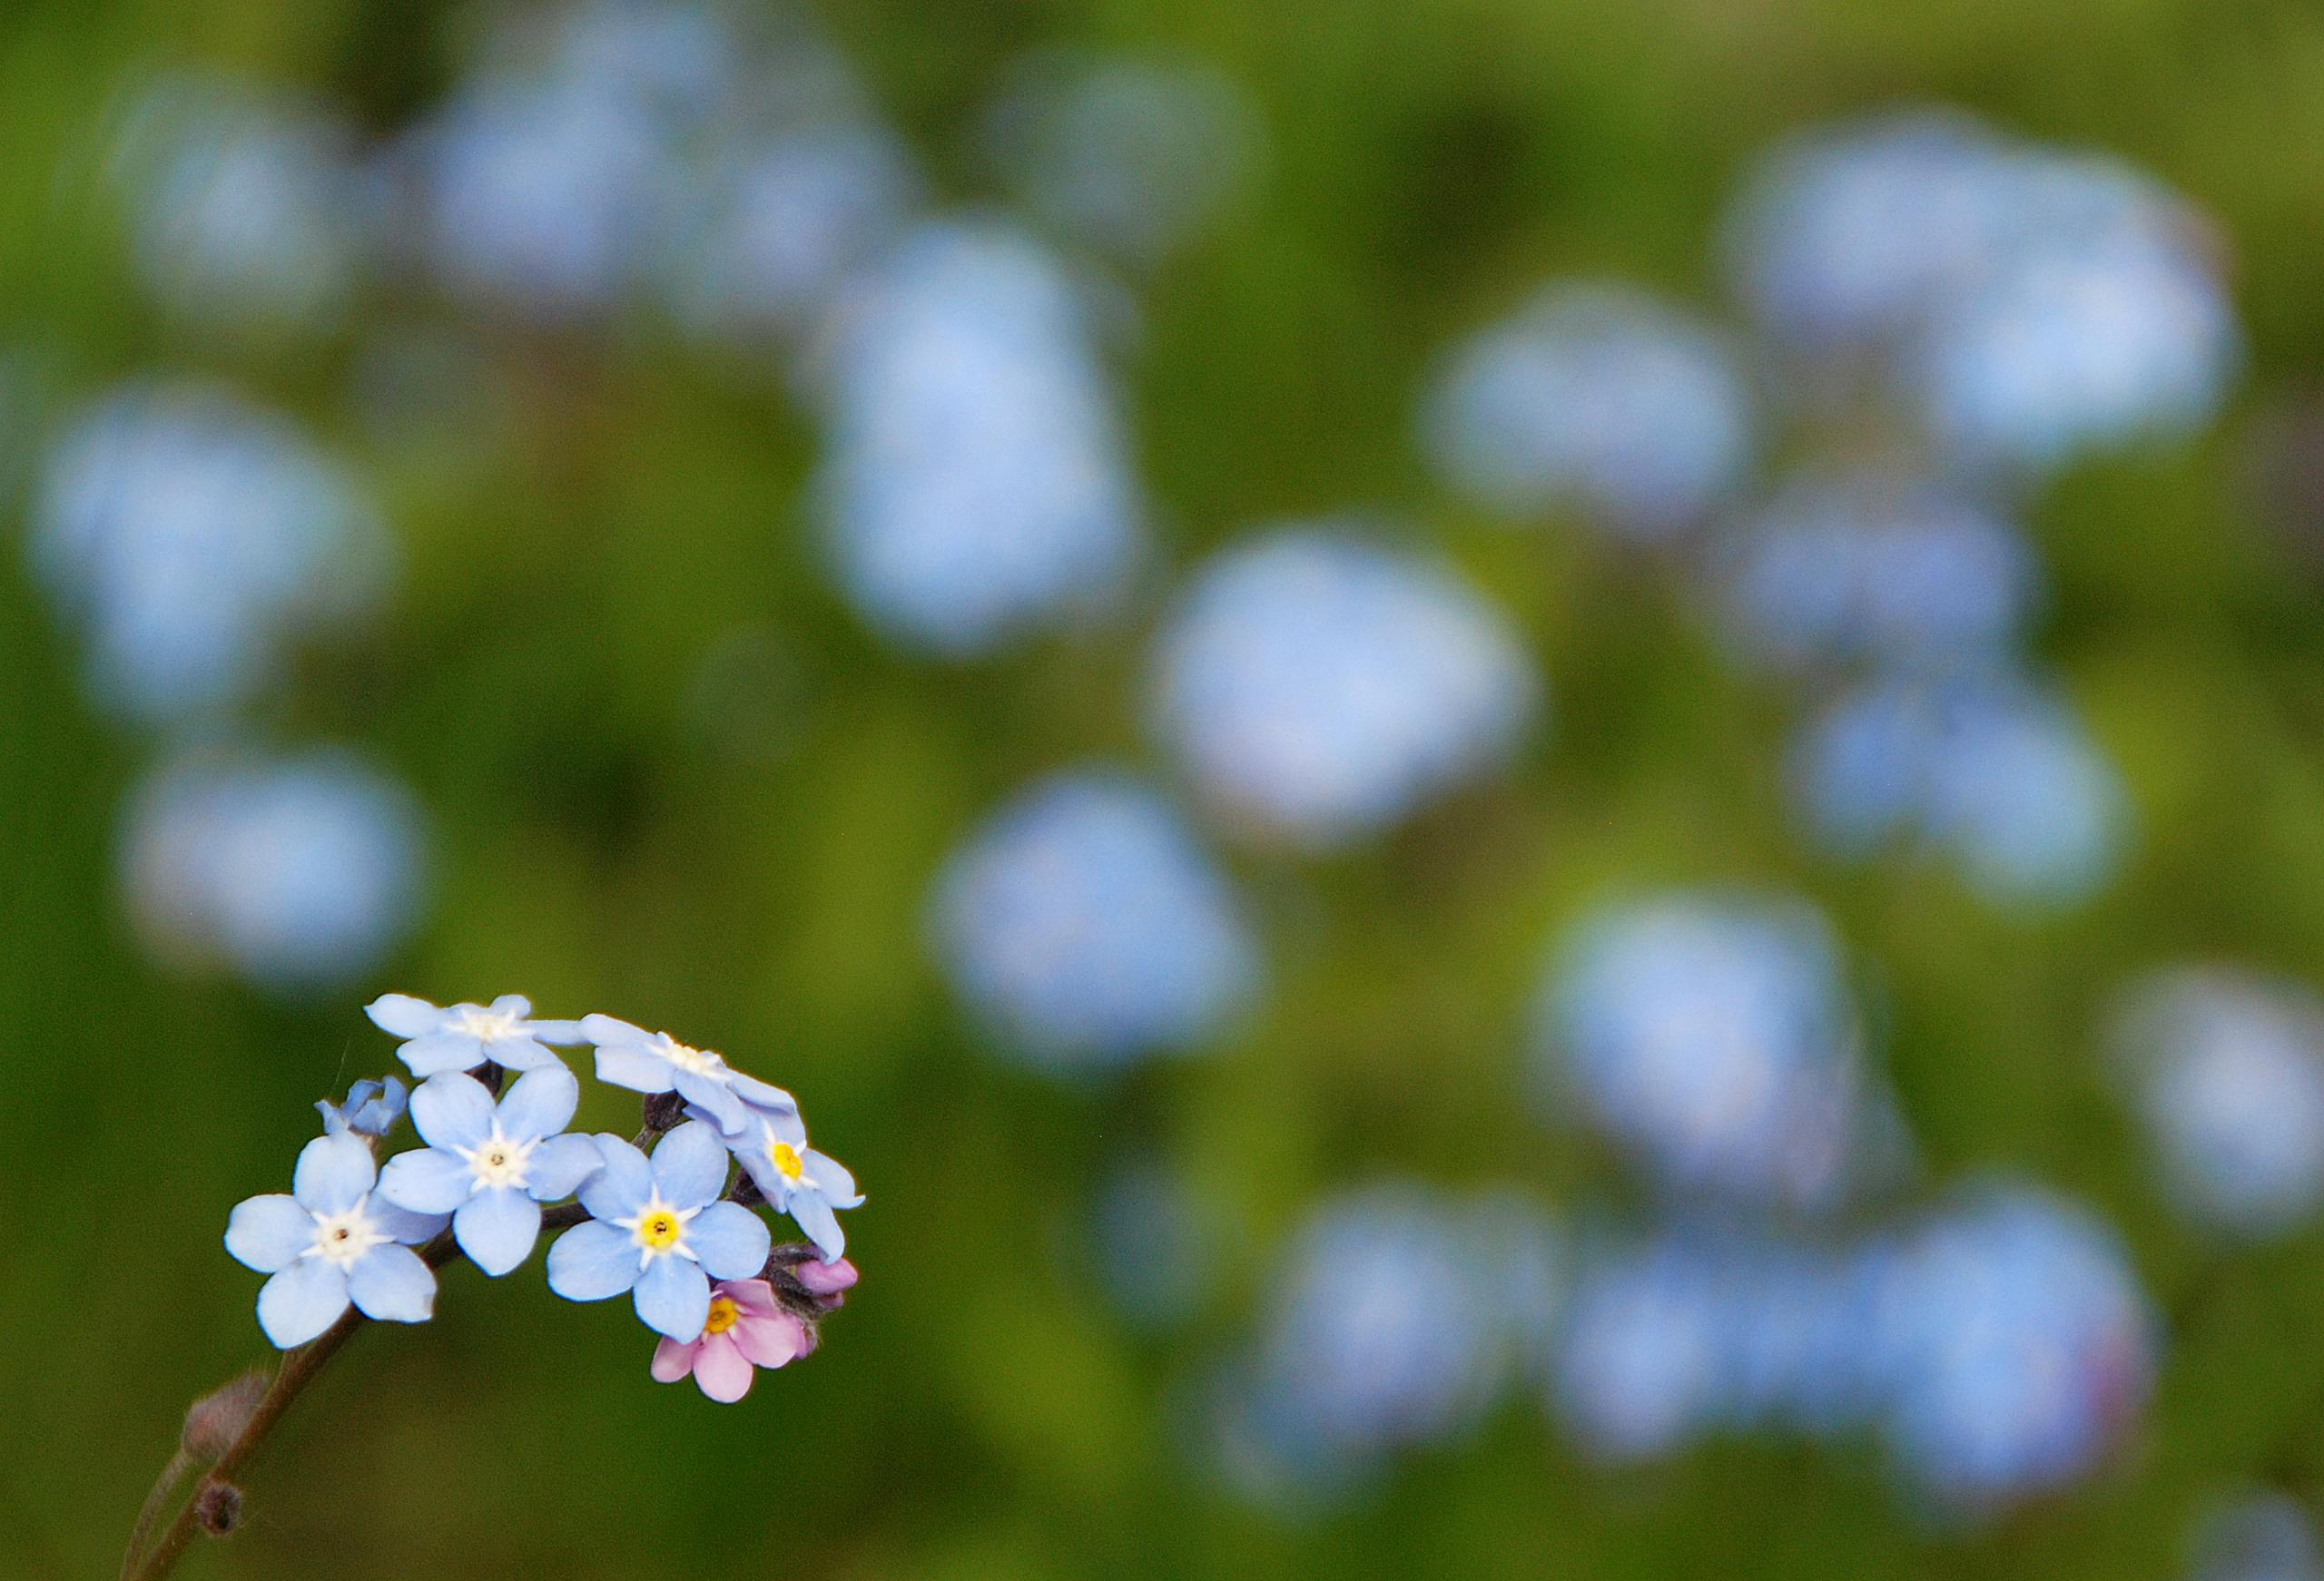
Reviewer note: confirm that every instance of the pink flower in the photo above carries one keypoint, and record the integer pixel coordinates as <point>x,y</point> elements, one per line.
<point>745,1329</point>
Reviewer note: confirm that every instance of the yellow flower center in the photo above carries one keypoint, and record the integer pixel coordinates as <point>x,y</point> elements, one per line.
<point>787,1161</point>
<point>658,1231</point>
<point>723,1315</point>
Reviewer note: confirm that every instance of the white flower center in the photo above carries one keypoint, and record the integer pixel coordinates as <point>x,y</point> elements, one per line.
<point>485,1026</point>
<point>497,1161</point>
<point>342,1238</point>
<point>702,1062</point>
<point>659,1229</point>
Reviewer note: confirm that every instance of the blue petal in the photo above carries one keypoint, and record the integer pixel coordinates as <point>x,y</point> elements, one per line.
<point>540,1104</point>
<point>674,1299</point>
<point>634,1068</point>
<point>560,1165</point>
<point>512,1005</point>
<point>404,1016</point>
<point>778,1127</point>
<point>496,1229</point>
<point>301,1302</point>
<point>830,1177</point>
<point>715,1100</point>
<point>452,1110</point>
<point>622,1186</point>
<point>404,1226</point>
<point>611,1032</point>
<point>269,1233</point>
<point>690,1166</point>
<point>761,1094</point>
<point>521,1054</point>
<point>564,1033</point>
<point>427,1180</point>
<point>333,1174</point>
<point>772,1185</point>
<point>814,1216</point>
<point>729,1241</point>
<point>591,1261</point>
<point>444,1051</point>
<point>392,1284</point>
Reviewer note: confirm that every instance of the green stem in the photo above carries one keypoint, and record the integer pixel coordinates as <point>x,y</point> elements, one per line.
<point>298,1370</point>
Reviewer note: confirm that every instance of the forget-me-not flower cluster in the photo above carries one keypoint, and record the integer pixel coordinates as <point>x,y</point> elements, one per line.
<point>495,1159</point>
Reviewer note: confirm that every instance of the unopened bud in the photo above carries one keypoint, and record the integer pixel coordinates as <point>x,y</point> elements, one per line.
<point>219,1507</point>
<point>664,1111</point>
<point>214,1421</point>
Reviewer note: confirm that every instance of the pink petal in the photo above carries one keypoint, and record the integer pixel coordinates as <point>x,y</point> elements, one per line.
<point>771,1341</point>
<point>827,1277</point>
<point>753,1295</point>
<point>672,1361</point>
<point>722,1369</point>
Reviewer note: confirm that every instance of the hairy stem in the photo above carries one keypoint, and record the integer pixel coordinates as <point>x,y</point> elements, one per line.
<point>298,1371</point>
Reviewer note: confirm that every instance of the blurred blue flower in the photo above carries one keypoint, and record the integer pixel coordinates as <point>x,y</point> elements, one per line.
<point>332,1241</point>
<point>1130,155</point>
<point>247,210</point>
<point>1643,1365</point>
<point>536,195</point>
<point>1596,396</point>
<point>977,482</point>
<point>776,224</point>
<point>2026,1348</point>
<point>658,1228</point>
<point>193,536</point>
<point>301,872</point>
<point>1872,568</point>
<point>655,1062</point>
<point>372,1108</point>
<point>492,1166</point>
<point>2226,1071</point>
<point>1988,770</point>
<point>1086,924</point>
<point>1392,1326</point>
<point>1845,236</point>
<point>1317,685</point>
<point>1711,1036</point>
<point>797,1179</point>
<point>466,1036</point>
<point>2079,345</point>
<point>2260,1536</point>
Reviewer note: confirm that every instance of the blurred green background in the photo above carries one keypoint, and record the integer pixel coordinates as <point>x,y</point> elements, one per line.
<point>742,859</point>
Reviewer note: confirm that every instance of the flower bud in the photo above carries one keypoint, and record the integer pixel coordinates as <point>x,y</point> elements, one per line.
<point>214,1421</point>
<point>219,1507</point>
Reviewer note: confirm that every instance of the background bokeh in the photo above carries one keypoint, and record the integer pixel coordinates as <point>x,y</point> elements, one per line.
<point>560,574</point>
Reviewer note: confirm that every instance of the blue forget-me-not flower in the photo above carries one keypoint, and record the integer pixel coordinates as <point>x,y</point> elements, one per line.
<point>655,1062</point>
<point>657,1229</point>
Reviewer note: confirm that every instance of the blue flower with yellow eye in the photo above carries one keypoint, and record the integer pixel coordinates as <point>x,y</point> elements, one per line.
<point>797,1179</point>
<point>658,1231</point>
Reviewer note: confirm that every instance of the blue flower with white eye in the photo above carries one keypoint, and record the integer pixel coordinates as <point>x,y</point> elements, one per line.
<point>331,1240</point>
<point>657,1229</point>
<point>796,1179</point>
<point>466,1036</point>
<point>372,1109</point>
<point>655,1062</point>
<point>492,1166</point>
